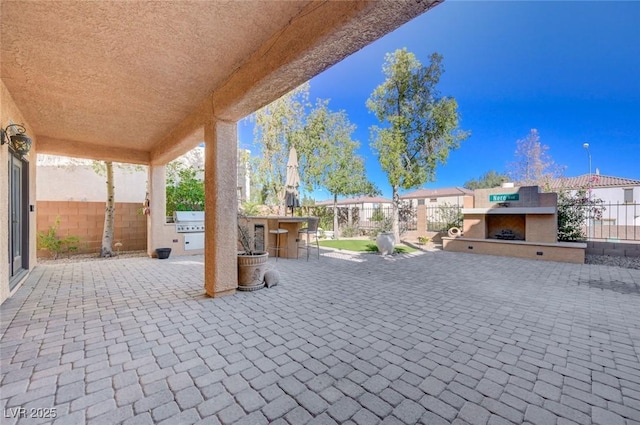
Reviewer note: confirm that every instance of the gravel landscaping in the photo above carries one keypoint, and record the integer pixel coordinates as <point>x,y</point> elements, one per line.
<point>608,260</point>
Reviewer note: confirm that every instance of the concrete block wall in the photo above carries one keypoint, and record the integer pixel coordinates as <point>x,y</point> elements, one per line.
<point>614,231</point>
<point>565,252</point>
<point>614,249</point>
<point>86,221</point>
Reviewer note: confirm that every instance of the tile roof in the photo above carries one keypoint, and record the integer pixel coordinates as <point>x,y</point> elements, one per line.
<point>359,200</point>
<point>598,180</point>
<point>436,193</point>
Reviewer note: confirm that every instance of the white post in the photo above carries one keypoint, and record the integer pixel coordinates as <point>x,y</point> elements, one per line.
<point>589,223</point>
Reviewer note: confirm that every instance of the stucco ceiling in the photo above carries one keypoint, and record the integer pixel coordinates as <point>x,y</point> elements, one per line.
<point>132,80</point>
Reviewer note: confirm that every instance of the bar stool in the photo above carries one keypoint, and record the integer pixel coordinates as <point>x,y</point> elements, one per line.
<point>311,229</point>
<point>277,247</point>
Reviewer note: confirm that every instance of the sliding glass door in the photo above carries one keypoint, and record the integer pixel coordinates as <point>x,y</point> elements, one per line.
<point>18,218</point>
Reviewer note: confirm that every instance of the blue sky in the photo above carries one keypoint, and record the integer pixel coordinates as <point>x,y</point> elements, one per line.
<point>569,69</point>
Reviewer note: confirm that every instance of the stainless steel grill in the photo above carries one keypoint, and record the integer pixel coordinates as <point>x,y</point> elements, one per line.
<point>189,221</point>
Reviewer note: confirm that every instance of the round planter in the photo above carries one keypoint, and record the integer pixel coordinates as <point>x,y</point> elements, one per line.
<point>385,243</point>
<point>251,270</point>
<point>163,253</point>
<point>454,232</point>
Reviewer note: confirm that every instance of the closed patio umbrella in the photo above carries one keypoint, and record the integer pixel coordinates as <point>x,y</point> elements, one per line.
<point>292,197</point>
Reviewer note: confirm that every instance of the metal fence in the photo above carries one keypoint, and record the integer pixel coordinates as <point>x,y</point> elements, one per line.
<point>443,217</point>
<point>613,222</point>
<point>356,221</point>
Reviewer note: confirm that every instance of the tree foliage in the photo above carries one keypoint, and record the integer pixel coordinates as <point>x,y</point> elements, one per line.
<point>185,188</point>
<point>420,125</point>
<point>533,164</point>
<point>488,180</point>
<point>574,209</point>
<point>279,126</point>
<point>330,155</point>
<point>323,140</point>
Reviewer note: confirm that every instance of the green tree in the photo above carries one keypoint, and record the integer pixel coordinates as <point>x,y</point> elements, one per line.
<point>185,188</point>
<point>279,126</point>
<point>533,164</point>
<point>574,209</point>
<point>488,180</point>
<point>421,127</point>
<point>330,159</point>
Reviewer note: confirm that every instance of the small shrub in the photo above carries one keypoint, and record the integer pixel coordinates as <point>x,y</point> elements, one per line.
<point>349,231</point>
<point>423,240</point>
<point>49,241</point>
<point>378,215</point>
<point>383,226</point>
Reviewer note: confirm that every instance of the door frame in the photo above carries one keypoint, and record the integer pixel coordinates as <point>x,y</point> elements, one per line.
<point>17,273</point>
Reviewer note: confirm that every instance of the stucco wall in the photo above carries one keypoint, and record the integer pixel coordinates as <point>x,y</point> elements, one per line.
<point>615,195</point>
<point>440,200</point>
<point>616,212</point>
<point>81,183</point>
<point>9,112</point>
<point>86,221</point>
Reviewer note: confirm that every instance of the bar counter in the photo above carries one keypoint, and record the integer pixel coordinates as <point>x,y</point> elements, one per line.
<point>288,244</point>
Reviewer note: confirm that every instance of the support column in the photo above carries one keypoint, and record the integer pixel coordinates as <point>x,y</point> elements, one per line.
<point>421,217</point>
<point>221,206</point>
<point>157,206</point>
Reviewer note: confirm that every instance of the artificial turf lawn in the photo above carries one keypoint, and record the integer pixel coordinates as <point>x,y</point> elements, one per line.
<point>361,245</point>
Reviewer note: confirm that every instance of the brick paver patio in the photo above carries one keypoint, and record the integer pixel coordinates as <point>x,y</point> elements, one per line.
<point>435,338</point>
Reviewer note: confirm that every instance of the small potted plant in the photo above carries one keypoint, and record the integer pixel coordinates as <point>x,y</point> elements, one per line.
<point>252,264</point>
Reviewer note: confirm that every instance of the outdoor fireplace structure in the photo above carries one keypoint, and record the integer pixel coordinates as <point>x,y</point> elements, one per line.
<point>515,222</point>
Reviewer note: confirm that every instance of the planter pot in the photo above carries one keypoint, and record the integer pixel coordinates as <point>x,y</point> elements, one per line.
<point>251,270</point>
<point>163,253</point>
<point>385,243</point>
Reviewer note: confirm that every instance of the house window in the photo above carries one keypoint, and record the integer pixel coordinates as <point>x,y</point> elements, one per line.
<point>628,196</point>
<point>420,201</point>
<point>433,200</point>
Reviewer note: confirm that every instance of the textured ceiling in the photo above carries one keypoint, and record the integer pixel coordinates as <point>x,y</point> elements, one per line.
<point>135,75</point>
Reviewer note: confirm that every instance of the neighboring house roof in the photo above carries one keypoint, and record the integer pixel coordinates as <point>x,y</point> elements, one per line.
<point>360,200</point>
<point>597,180</point>
<point>437,193</point>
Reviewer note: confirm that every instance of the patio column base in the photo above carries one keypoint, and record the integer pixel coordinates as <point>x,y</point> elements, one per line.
<point>221,293</point>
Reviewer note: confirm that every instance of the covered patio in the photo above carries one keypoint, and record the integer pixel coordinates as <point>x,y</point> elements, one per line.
<point>432,338</point>
<point>144,82</point>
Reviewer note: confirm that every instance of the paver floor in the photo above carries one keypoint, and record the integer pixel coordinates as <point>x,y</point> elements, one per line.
<point>434,338</point>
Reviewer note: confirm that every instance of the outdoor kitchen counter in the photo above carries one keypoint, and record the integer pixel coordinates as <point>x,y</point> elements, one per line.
<point>292,224</point>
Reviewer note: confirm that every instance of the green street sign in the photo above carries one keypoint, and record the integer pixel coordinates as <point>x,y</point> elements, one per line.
<point>504,197</point>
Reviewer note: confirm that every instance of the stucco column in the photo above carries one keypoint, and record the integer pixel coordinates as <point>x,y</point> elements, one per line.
<point>221,206</point>
<point>421,219</point>
<point>157,206</point>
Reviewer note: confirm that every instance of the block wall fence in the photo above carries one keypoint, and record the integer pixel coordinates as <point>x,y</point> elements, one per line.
<point>86,221</point>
